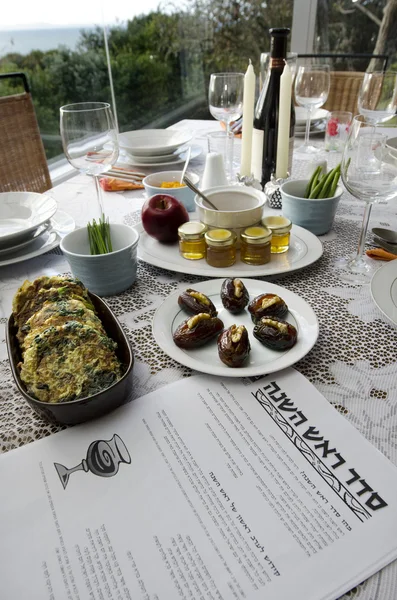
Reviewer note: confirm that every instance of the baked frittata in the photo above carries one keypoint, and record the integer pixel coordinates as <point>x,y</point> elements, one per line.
<point>66,353</point>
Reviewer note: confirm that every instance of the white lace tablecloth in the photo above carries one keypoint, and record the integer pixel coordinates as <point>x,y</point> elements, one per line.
<point>353,364</point>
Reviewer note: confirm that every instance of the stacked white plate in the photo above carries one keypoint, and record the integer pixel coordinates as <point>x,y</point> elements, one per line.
<point>27,225</point>
<point>156,147</point>
<point>317,123</point>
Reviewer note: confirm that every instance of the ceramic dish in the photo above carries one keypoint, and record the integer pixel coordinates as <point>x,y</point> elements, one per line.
<point>314,214</point>
<point>305,249</point>
<point>91,407</point>
<point>301,115</point>
<point>162,157</point>
<point>184,194</point>
<point>149,142</point>
<point>384,290</point>
<point>179,158</point>
<point>21,213</point>
<point>39,231</point>
<point>261,360</point>
<point>60,224</point>
<point>44,243</point>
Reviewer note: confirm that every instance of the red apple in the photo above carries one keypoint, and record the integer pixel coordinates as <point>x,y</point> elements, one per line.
<point>161,216</point>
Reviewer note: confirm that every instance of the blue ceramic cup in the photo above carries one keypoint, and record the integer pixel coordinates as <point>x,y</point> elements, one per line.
<point>103,274</point>
<point>316,215</point>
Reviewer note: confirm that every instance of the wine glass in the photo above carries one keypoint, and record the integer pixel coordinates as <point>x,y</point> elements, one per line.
<point>377,99</point>
<point>369,172</point>
<point>311,91</point>
<point>89,139</point>
<point>225,98</point>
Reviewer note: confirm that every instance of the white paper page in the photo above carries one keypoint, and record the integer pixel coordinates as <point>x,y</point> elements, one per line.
<point>204,489</point>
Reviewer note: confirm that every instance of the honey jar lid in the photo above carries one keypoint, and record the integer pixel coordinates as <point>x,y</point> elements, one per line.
<point>192,230</point>
<point>220,238</point>
<point>277,224</point>
<point>256,235</point>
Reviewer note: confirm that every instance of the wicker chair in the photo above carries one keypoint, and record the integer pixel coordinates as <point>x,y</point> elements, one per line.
<point>344,90</point>
<point>23,163</point>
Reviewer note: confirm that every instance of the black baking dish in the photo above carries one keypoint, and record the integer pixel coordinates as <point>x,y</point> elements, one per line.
<point>91,407</point>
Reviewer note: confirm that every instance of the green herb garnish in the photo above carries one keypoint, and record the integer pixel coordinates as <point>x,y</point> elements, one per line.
<point>323,186</point>
<point>99,236</point>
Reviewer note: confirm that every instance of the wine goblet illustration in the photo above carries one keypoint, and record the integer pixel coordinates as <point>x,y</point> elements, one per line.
<point>103,459</point>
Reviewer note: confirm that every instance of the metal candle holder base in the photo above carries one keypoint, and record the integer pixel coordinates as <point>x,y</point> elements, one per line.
<point>272,191</point>
<point>249,180</point>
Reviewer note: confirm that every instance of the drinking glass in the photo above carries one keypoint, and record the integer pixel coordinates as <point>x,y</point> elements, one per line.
<point>311,91</point>
<point>89,139</point>
<point>377,99</point>
<point>369,172</point>
<point>225,98</point>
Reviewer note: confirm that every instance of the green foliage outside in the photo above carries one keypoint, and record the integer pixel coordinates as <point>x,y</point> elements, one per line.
<point>160,62</point>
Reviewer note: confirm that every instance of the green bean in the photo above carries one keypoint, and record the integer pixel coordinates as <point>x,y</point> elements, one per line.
<point>312,182</point>
<point>334,184</point>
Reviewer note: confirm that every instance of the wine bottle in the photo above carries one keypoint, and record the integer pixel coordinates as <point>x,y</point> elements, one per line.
<point>264,138</point>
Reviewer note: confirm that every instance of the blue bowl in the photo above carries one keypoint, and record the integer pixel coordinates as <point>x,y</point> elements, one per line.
<point>316,215</point>
<point>103,274</point>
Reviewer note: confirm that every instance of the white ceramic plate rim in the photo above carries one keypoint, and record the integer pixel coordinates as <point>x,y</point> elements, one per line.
<point>169,315</point>
<point>37,218</point>
<point>317,115</point>
<point>381,287</point>
<point>162,141</point>
<point>46,242</point>
<point>180,158</point>
<point>40,230</point>
<point>313,252</point>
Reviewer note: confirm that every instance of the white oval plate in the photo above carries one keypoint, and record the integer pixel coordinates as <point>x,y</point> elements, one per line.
<point>60,224</point>
<point>305,249</point>
<point>21,213</point>
<point>261,360</point>
<point>384,290</point>
<point>39,231</point>
<point>178,158</point>
<point>148,142</point>
<point>301,115</point>
<point>46,242</point>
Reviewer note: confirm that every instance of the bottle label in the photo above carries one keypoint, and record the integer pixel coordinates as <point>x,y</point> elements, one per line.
<point>257,153</point>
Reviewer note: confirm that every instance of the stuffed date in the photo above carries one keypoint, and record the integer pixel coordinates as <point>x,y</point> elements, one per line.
<point>197,331</point>
<point>234,295</point>
<point>267,305</point>
<point>195,302</point>
<point>275,334</point>
<point>234,346</point>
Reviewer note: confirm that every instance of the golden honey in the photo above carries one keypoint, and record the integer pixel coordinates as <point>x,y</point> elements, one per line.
<point>280,227</point>
<point>255,245</point>
<point>191,240</point>
<point>221,247</point>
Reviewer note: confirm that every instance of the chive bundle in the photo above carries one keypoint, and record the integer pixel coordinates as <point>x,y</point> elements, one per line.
<point>99,236</point>
<point>323,186</point>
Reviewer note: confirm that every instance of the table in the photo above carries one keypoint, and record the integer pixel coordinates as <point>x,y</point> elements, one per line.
<point>353,364</point>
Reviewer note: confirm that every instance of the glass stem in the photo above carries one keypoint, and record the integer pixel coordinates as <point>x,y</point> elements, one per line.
<point>99,195</point>
<point>364,228</point>
<point>308,120</point>
<point>229,151</point>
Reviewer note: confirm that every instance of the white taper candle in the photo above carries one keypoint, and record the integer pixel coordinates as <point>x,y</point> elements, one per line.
<point>248,120</point>
<point>284,119</point>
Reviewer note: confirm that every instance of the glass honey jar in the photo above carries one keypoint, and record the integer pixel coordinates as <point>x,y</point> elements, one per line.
<point>280,227</point>
<point>221,247</point>
<point>255,245</point>
<point>191,240</point>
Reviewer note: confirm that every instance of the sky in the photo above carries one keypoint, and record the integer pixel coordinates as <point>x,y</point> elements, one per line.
<point>40,13</point>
